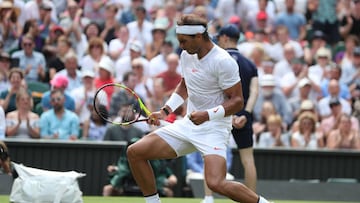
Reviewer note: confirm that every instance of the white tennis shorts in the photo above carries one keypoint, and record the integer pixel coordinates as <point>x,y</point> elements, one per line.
<point>185,137</point>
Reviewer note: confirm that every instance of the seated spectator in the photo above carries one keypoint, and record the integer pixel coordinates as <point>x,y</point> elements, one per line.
<point>106,71</point>
<point>8,97</point>
<point>59,123</point>
<point>123,183</point>
<point>123,133</point>
<point>95,127</point>
<point>23,123</point>
<point>170,77</point>
<point>31,62</point>
<point>334,90</point>
<point>2,124</point>
<point>343,136</point>
<point>334,73</point>
<point>306,137</point>
<point>5,65</point>
<point>327,124</point>
<point>5,163</point>
<point>260,126</point>
<point>84,96</point>
<point>269,92</point>
<point>71,71</point>
<point>317,41</point>
<point>59,82</point>
<point>306,106</point>
<point>275,136</point>
<point>95,53</point>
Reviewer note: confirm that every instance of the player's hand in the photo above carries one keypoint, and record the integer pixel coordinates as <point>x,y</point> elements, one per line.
<point>198,117</point>
<point>239,121</point>
<point>154,118</point>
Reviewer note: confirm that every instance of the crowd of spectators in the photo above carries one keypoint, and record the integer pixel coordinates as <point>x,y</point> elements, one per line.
<point>307,53</point>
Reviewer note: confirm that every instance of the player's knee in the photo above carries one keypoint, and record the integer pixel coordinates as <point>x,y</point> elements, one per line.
<point>131,152</point>
<point>214,185</point>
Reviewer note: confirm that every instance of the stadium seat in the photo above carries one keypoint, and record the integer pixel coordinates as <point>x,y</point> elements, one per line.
<point>37,89</point>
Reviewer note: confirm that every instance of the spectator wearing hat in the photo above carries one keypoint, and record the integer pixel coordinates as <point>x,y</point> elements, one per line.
<point>123,64</point>
<point>84,96</point>
<point>334,90</point>
<point>10,26</point>
<point>158,38</point>
<point>294,21</point>
<point>59,82</point>
<point>305,105</point>
<point>351,71</point>
<point>105,76</point>
<point>270,92</point>
<point>110,24</point>
<point>327,124</point>
<point>32,9</point>
<point>317,41</point>
<point>30,61</point>
<point>45,20</point>
<point>141,28</point>
<point>350,23</point>
<point>5,65</point>
<point>59,122</point>
<point>317,72</point>
<point>119,47</point>
<point>71,71</point>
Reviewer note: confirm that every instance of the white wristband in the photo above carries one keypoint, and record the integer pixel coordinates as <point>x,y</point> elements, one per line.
<point>174,101</point>
<point>216,113</point>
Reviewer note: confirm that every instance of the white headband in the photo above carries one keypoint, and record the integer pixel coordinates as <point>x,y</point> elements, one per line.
<point>190,29</point>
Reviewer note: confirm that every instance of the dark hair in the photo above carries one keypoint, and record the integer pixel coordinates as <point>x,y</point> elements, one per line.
<point>4,154</point>
<point>104,113</point>
<point>27,25</point>
<point>127,75</point>
<point>192,19</point>
<point>16,70</point>
<point>54,91</point>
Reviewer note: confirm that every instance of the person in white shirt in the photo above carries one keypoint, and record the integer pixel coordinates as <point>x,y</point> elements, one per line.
<point>211,85</point>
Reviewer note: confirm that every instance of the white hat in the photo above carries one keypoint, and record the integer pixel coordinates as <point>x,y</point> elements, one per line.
<point>307,105</point>
<point>136,46</point>
<point>323,52</point>
<point>106,64</point>
<point>88,73</point>
<point>267,80</point>
<point>303,82</point>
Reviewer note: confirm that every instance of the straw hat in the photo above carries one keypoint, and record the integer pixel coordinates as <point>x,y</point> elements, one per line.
<point>9,4</point>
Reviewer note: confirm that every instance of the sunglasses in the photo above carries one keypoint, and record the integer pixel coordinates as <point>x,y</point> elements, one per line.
<point>56,99</point>
<point>95,46</point>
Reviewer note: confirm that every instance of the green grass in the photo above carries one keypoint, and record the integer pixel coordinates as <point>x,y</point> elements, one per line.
<point>95,199</point>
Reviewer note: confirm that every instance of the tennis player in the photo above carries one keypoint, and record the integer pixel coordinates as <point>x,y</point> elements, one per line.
<point>211,84</point>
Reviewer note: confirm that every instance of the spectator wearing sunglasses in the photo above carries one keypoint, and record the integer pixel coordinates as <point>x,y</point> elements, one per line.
<point>58,122</point>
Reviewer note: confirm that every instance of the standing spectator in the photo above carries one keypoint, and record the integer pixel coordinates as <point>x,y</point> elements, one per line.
<point>141,28</point>
<point>23,123</point>
<point>306,137</point>
<point>110,24</point>
<point>59,123</point>
<point>59,82</point>
<point>295,22</point>
<point>350,23</point>
<point>343,136</point>
<point>274,136</point>
<point>71,71</point>
<point>325,19</point>
<point>8,96</point>
<point>171,77</point>
<point>10,28</point>
<point>30,61</point>
<point>44,20</point>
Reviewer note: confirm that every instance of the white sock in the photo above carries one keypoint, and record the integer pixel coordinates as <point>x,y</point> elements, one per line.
<point>153,199</point>
<point>262,200</point>
<point>209,199</point>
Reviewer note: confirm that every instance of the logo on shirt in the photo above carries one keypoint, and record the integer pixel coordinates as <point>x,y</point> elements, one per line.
<point>216,110</point>
<point>217,148</point>
<point>193,70</point>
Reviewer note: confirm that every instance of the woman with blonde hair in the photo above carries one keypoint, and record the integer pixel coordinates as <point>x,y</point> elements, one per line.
<point>23,123</point>
<point>306,136</point>
<point>274,136</point>
<point>343,136</point>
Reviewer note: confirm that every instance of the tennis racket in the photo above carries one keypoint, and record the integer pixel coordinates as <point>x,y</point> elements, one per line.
<point>131,110</point>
